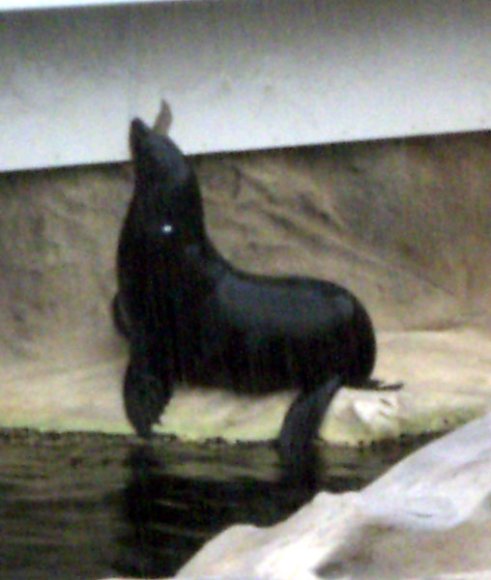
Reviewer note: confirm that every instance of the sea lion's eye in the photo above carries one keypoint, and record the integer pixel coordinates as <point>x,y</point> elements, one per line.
<point>167,229</point>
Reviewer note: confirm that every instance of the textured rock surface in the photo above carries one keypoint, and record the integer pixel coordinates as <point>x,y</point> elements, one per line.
<point>427,516</point>
<point>404,224</point>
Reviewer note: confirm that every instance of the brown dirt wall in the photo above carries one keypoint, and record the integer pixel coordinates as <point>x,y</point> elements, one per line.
<point>405,224</point>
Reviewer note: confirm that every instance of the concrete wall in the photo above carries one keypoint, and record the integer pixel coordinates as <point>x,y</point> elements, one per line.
<point>239,74</point>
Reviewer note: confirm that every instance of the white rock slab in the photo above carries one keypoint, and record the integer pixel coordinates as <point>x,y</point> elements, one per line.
<point>428,515</point>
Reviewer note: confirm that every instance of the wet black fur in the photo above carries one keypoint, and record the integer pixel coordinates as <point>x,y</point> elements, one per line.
<point>190,316</point>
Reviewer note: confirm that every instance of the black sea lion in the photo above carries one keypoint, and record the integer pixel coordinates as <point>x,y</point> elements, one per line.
<point>191,317</point>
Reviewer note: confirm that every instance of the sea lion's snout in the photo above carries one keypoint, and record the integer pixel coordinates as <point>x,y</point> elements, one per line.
<point>156,158</point>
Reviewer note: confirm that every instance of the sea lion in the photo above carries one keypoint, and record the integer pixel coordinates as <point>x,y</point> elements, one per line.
<point>192,317</point>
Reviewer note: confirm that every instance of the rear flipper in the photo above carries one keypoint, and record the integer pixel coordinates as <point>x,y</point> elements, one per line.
<point>303,421</point>
<point>377,385</point>
<point>146,395</point>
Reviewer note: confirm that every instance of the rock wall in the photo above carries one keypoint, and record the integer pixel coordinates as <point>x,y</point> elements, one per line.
<point>58,232</point>
<point>404,224</point>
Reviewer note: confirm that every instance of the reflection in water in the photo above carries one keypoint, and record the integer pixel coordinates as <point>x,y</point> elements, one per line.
<point>96,506</point>
<point>171,516</point>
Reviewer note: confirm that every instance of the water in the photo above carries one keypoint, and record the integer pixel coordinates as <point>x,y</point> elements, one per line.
<point>93,506</point>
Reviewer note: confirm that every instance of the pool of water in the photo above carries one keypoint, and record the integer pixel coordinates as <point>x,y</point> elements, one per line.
<point>79,506</point>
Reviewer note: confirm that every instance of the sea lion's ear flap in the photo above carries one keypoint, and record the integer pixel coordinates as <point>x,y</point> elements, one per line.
<point>139,132</point>
<point>163,121</point>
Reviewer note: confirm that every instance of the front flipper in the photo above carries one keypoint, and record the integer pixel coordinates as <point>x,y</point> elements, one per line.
<point>303,420</point>
<point>146,395</point>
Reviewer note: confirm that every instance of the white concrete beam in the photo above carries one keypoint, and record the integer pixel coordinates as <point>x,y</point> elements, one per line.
<point>240,74</point>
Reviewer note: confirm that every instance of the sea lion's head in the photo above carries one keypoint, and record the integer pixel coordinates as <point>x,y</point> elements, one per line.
<point>167,198</point>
